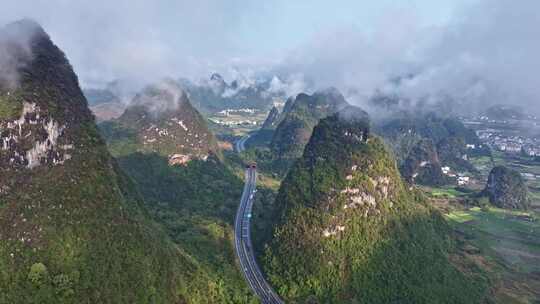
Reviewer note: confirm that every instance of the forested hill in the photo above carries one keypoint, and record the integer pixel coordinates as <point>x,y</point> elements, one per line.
<point>72,228</point>
<point>350,231</point>
<point>164,145</point>
<point>299,119</point>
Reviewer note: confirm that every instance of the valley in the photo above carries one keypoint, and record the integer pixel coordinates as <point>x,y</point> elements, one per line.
<point>503,243</point>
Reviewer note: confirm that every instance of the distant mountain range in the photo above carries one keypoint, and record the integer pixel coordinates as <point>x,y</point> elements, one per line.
<point>215,94</point>
<point>208,96</point>
<point>106,103</point>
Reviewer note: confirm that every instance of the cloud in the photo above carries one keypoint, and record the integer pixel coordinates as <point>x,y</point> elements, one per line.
<point>356,60</point>
<point>161,97</point>
<point>138,40</point>
<point>490,56</point>
<point>290,85</point>
<point>15,51</point>
<point>488,53</point>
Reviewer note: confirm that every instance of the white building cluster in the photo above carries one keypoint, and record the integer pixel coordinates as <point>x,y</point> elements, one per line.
<point>500,141</point>
<point>246,122</point>
<point>228,112</point>
<point>462,178</point>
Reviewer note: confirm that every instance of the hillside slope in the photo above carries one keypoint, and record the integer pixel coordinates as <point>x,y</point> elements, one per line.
<point>350,231</point>
<point>407,134</point>
<point>299,119</point>
<point>161,119</point>
<point>72,228</point>
<point>422,165</point>
<point>506,188</point>
<point>271,120</point>
<point>165,147</point>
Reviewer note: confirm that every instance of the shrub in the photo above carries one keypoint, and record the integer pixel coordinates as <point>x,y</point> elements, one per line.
<point>38,274</point>
<point>63,284</point>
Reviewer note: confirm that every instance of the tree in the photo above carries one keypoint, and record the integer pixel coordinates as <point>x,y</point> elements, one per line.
<point>38,274</point>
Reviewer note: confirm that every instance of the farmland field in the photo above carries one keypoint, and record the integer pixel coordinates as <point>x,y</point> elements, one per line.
<point>511,241</point>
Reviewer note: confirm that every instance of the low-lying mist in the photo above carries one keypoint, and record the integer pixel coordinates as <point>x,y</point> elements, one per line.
<point>15,51</point>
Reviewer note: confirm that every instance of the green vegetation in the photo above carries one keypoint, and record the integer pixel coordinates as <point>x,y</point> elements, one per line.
<point>275,151</point>
<point>9,107</point>
<point>449,136</point>
<point>121,141</point>
<point>294,130</point>
<point>349,231</point>
<point>506,189</point>
<point>505,112</point>
<point>161,119</point>
<point>445,192</point>
<point>422,166</point>
<point>535,196</point>
<point>266,161</point>
<point>482,162</point>
<point>271,120</point>
<point>525,165</point>
<point>510,241</point>
<point>195,203</point>
<point>460,216</point>
<point>261,138</point>
<point>79,231</point>
<point>75,232</point>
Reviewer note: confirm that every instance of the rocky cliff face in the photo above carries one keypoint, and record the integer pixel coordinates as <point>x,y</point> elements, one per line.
<point>349,230</point>
<point>507,189</point>
<point>42,116</point>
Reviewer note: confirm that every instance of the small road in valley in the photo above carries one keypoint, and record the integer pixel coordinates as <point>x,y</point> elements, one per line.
<point>242,238</point>
<point>240,144</point>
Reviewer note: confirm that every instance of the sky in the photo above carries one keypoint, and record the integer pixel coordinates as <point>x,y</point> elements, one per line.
<point>109,39</point>
<point>484,50</point>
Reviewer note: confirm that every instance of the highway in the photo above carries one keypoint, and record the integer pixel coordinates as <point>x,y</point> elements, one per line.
<point>242,241</point>
<point>240,144</point>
